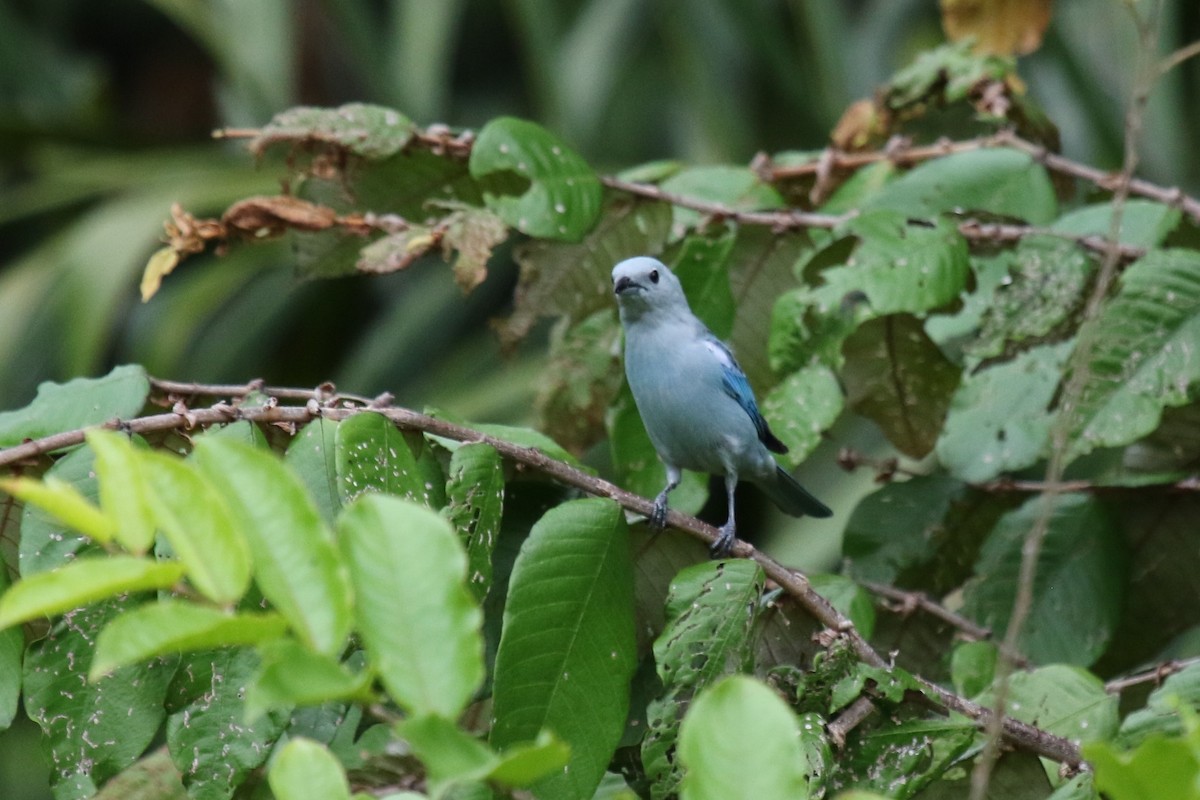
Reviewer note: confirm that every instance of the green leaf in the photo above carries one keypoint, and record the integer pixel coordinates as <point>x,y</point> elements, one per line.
<point>973,667</point>
<point>575,280</point>
<point>373,132</point>
<point>1081,574</point>
<point>78,403</point>
<point>212,742</point>
<point>526,764</point>
<point>849,598</point>
<point>312,455</point>
<point>420,624</point>
<point>476,492</point>
<point>292,675</point>
<point>1143,356</point>
<point>739,739</point>
<point>902,760</point>
<point>1144,223</point>
<point>1158,767</point>
<point>999,418</point>
<point>801,407</point>
<point>896,376</point>
<point>702,266</point>
<point>64,502</point>
<point>1044,287</point>
<point>196,521</point>
<point>153,777</point>
<point>737,188</point>
<point>563,199</point>
<point>12,648</point>
<point>581,379</point>
<point>1161,714</point>
<point>373,455</point>
<point>450,754</point>
<point>566,654</point>
<point>172,626</point>
<point>305,769</point>
<point>45,543</point>
<point>711,611</point>
<point>296,562</point>
<point>81,582</point>
<point>1064,700</point>
<point>91,730</point>
<point>999,181</point>
<point>123,490</point>
<point>901,266</point>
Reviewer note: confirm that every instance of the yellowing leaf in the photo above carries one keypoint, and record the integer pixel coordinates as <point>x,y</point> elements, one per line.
<point>160,265</point>
<point>65,503</point>
<point>999,27</point>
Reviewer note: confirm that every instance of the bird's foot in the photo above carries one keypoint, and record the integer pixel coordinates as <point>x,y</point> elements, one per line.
<point>658,518</point>
<point>723,546</point>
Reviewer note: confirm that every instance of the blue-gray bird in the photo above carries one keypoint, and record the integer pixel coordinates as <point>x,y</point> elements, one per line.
<point>694,399</point>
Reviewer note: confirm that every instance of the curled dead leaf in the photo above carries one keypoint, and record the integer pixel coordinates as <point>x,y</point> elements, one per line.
<point>263,217</point>
<point>999,27</point>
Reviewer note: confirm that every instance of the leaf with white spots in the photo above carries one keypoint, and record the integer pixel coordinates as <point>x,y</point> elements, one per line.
<point>476,493</point>
<point>370,131</point>
<point>373,455</point>
<point>1145,353</point>
<point>567,652</point>
<point>563,198</point>
<point>1063,700</point>
<point>209,739</point>
<point>801,407</point>
<point>91,730</point>
<point>46,543</point>
<point>312,456</point>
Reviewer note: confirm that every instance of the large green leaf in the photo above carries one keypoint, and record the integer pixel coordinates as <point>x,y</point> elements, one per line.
<point>80,582</point>
<point>212,742</point>
<point>563,199</point>
<point>702,266</point>
<point>1144,356</point>
<point>1063,700</point>
<point>999,418</point>
<point>77,403</point>
<point>45,543</point>
<point>476,492</point>
<point>711,609</point>
<point>567,650</point>
<point>420,624</point>
<point>904,759</point>
<point>896,376</point>
<point>1162,714</point>
<point>91,730</point>
<point>1081,574</point>
<point>998,181</point>
<point>312,455</point>
<point>296,562</point>
<point>1158,767</point>
<point>197,522</point>
<point>373,455</point>
<point>171,626</point>
<point>739,739</point>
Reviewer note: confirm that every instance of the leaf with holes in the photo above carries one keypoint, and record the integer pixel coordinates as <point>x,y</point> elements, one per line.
<point>801,407</point>
<point>370,131</point>
<point>563,198</point>
<point>1144,355</point>
<point>475,489</point>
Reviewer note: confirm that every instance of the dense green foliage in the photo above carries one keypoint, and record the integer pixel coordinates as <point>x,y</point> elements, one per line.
<point>355,608</point>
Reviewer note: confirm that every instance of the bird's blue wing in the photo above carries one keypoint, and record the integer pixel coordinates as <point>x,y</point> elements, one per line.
<point>738,387</point>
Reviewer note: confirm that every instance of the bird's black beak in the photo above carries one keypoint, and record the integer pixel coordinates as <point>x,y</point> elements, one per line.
<point>623,283</point>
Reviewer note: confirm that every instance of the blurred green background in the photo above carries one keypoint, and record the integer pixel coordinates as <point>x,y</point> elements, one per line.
<point>106,111</point>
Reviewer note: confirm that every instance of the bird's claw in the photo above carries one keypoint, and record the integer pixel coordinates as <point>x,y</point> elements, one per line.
<point>723,546</point>
<point>658,517</point>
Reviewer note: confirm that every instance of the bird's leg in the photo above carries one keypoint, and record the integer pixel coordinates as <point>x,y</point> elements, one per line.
<point>658,519</point>
<point>724,543</point>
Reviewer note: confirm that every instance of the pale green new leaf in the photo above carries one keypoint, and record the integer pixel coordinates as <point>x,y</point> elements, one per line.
<point>174,626</point>
<point>123,490</point>
<point>296,562</point>
<point>418,621</point>
<point>64,502</point>
<point>739,739</point>
<point>304,770</point>
<point>83,581</point>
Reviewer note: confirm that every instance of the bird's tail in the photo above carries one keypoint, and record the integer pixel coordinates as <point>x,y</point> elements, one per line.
<point>789,495</point>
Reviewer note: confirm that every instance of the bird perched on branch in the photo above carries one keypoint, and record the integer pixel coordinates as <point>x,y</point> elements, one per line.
<point>694,399</point>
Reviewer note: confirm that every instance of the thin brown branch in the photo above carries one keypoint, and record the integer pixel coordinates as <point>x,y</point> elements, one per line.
<point>1156,675</point>
<point>320,405</point>
<point>906,602</point>
<point>850,718</point>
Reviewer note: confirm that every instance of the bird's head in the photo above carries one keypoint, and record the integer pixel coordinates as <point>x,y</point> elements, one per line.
<point>645,285</point>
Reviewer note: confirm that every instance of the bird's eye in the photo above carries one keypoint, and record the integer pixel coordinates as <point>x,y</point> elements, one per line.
<point>654,276</point>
